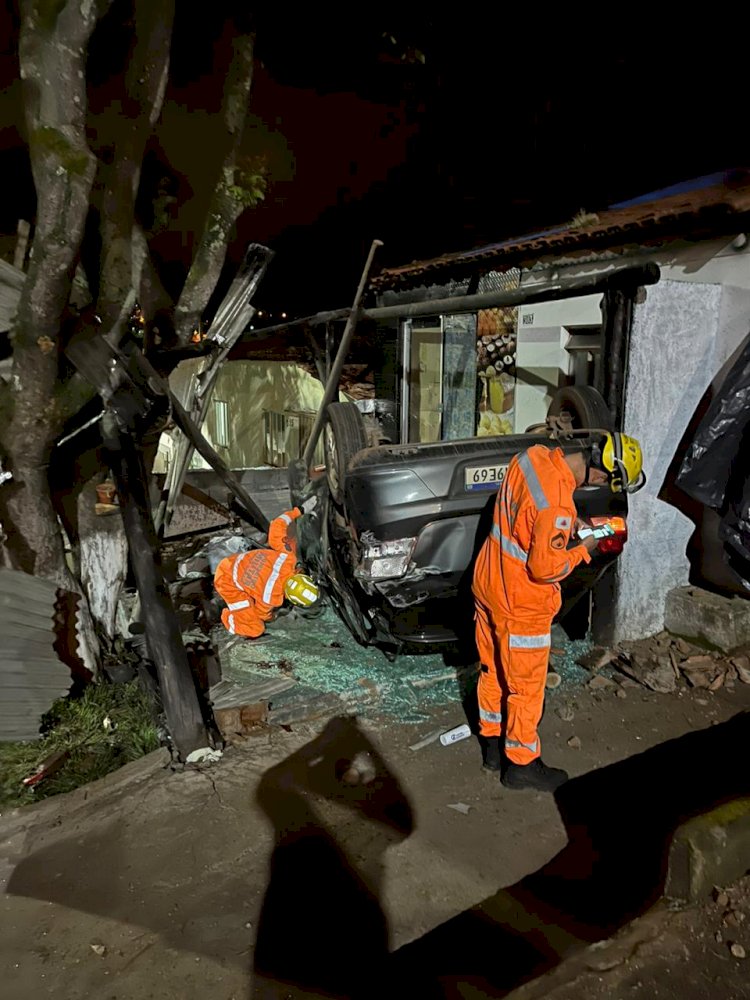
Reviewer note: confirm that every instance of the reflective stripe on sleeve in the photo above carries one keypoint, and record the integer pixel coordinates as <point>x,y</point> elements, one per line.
<point>532,481</point>
<point>238,605</point>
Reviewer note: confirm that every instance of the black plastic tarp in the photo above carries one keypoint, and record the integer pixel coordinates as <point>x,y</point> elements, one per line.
<point>716,468</point>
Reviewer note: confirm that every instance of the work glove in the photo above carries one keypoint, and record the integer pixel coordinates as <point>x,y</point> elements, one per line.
<point>309,505</point>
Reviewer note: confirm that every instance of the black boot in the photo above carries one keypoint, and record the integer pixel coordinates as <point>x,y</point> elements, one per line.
<point>535,775</point>
<point>492,755</point>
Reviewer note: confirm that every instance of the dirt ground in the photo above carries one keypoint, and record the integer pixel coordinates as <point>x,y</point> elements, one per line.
<point>268,875</point>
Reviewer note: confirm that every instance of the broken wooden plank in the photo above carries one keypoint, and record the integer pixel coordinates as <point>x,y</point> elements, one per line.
<point>231,694</point>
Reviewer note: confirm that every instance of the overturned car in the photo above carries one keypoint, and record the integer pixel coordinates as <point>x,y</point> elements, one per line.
<point>400,525</point>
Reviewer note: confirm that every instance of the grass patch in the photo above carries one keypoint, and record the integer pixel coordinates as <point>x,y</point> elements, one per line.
<point>95,747</point>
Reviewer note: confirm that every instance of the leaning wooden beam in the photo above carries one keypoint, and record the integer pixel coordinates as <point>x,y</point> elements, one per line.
<point>163,638</point>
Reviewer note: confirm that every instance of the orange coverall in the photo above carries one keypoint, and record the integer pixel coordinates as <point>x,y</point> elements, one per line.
<point>517,594</point>
<point>252,583</point>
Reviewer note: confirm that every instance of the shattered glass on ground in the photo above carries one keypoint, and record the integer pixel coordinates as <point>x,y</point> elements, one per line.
<point>334,673</point>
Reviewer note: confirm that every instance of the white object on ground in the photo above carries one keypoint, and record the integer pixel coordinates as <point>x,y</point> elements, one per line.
<point>205,755</point>
<point>454,735</point>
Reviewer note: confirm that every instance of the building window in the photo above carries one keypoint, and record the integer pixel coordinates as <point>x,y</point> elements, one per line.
<point>221,419</point>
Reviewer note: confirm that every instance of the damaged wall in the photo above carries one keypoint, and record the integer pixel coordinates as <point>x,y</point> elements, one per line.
<point>249,389</point>
<point>682,336</point>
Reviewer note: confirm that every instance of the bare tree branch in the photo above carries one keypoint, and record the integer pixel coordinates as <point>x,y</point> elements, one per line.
<point>145,82</point>
<point>231,196</point>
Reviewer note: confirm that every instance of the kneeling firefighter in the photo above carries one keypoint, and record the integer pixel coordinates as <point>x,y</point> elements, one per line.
<point>517,592</point>
<point>255,584</point>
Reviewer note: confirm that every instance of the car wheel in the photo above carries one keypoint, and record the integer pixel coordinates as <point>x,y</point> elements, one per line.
<point>585,406</point>
<point>344,436</point>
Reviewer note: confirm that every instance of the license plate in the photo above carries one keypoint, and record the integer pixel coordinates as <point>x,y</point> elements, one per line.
<point>484,477</point>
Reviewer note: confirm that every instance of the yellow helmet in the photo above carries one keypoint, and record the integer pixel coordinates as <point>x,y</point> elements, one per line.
<point>621,457</point>
<point>301,590</point>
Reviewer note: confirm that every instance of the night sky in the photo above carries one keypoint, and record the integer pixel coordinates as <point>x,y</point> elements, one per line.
<point>514,122</point>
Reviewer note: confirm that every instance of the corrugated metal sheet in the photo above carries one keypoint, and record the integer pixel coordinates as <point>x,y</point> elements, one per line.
<point>715,210</point>
<point>32,675</point>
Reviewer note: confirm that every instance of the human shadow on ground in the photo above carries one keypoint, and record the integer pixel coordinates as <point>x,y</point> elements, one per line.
<point>335,808</point>
<point>620,821</point>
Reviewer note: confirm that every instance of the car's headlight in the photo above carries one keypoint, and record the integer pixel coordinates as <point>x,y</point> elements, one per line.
<point>384,560</point>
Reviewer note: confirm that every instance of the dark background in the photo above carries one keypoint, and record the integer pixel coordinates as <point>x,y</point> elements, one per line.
<point>516,119</point>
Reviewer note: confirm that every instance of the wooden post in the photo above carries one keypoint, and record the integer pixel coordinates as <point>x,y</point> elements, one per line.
<point>163,637</point>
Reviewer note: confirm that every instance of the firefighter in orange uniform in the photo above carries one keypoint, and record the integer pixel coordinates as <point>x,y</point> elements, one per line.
<point>517,593</point>
<point>255,584</point>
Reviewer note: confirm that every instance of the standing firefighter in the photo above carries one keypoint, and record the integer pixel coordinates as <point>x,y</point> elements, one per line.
<point>517,592</point>
<point>255,584</point>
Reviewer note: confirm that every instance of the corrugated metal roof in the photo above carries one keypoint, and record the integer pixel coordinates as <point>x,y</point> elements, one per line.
<point>32,675</point>
<point>704,211</point>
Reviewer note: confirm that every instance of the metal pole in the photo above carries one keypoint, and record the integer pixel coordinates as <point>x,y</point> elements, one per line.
<point>338,364</point>
<point>646,274</point>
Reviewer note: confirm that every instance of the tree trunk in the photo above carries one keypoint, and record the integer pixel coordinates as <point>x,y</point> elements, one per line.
<point>53,46</point>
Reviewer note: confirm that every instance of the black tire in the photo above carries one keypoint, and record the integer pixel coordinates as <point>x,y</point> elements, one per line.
<point>344,435</point>
<point>584,404</point>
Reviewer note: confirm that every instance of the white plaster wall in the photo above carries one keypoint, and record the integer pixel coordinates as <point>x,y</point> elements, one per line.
<point>672,361</point>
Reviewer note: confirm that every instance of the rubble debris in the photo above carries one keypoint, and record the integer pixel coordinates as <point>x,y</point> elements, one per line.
<point>700,671</point>
<point>98,948</point>
<point>574,743</point>
<point>596,658</point>
<point>361,770</point>
<point>238,723</point>
<point>554,680</point>
<point>621,693</point>
<point>600,683</point>
<point>742,665</point>
<point>460,807</point>
<point>737,950</point>
<point>566,713</point>
<point>652,671</point>
<point>721,898</point>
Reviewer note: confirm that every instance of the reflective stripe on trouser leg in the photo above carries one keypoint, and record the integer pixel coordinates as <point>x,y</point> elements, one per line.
<point>245,622</point>
<point>525,654</point>
<point>489,686</point>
